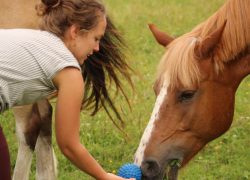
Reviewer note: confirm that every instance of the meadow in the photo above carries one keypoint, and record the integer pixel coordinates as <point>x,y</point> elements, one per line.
<point>227,157</point>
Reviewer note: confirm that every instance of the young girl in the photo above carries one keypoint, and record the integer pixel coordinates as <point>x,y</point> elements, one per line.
<point>75,49</point>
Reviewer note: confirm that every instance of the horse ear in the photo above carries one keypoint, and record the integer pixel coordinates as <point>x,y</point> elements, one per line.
<point>206,46</point>
<point>161,37</point>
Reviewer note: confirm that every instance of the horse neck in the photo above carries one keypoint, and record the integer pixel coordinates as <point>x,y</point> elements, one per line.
<point>239,68</point>
<point>244,68</point>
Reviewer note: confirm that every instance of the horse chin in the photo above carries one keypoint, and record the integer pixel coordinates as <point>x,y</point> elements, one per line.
<point>172,170</point>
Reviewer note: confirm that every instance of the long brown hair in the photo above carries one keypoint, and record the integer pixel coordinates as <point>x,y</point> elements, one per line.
<point>59,15</point>
<point>104,66</point>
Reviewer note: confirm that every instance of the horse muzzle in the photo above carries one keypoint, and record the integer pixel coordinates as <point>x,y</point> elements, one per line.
<point>153,170</point>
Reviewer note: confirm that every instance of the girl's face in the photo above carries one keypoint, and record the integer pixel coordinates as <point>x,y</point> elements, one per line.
<point>82,44</point>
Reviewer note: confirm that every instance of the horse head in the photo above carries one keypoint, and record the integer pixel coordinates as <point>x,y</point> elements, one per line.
<point>195,100</point>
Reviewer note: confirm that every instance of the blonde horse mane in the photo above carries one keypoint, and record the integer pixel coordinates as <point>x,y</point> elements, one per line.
<point>179,64</point>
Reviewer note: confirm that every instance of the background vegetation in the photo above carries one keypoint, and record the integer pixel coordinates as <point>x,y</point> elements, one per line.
<point>227,157</point>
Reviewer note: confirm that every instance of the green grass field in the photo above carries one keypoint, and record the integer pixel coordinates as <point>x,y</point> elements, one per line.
<point>228,157</point>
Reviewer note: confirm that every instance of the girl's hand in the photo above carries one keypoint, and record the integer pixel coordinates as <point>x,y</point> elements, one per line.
<point>111,176</point>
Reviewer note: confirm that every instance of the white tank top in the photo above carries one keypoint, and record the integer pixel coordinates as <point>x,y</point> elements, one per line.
<point>29,59</point>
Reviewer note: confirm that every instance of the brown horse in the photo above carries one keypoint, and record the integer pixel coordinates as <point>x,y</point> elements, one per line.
<point>33,122</point>
<point>197,79</point>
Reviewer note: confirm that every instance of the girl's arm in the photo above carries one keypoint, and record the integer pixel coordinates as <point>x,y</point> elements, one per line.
<point>67,123</point>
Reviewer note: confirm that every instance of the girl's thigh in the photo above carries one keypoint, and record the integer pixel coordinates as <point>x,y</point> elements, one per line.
<point>4,158</point>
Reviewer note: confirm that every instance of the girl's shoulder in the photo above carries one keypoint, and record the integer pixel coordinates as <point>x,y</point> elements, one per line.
<point>27,34</point>
<point>20,31</point>
<point>30,39</point>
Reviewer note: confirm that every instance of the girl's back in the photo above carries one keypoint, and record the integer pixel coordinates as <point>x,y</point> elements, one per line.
<point>29,60</point>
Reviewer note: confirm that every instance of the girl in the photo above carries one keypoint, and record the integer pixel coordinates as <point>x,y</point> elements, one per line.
<point>64,56</point>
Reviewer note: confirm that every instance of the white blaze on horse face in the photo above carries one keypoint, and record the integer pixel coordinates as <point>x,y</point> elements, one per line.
<point>139,155</point>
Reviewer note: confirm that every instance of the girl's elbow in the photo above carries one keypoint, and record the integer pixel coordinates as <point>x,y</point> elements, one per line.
<point>65,147</point>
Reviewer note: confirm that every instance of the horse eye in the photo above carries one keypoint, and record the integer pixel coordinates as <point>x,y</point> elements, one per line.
<point>186,95</point>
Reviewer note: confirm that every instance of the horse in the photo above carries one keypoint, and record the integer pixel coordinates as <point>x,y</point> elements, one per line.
<point>196,82</point>
<point>34,121</point>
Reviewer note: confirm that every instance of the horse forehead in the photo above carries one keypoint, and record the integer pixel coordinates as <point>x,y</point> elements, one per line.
<point>179,62</point>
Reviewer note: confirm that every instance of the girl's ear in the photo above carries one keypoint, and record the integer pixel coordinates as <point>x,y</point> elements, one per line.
<point>73,31</point>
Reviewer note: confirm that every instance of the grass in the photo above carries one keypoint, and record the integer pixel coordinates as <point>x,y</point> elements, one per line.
<point>227,157</point>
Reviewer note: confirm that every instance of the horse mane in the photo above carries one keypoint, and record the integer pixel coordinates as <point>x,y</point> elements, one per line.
<point>179,63</point>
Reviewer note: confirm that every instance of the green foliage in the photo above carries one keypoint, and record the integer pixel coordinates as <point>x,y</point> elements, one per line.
<point>227,157</point>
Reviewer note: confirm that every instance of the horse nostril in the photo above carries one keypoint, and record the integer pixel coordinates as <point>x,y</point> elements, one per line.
<point>150,168</point>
